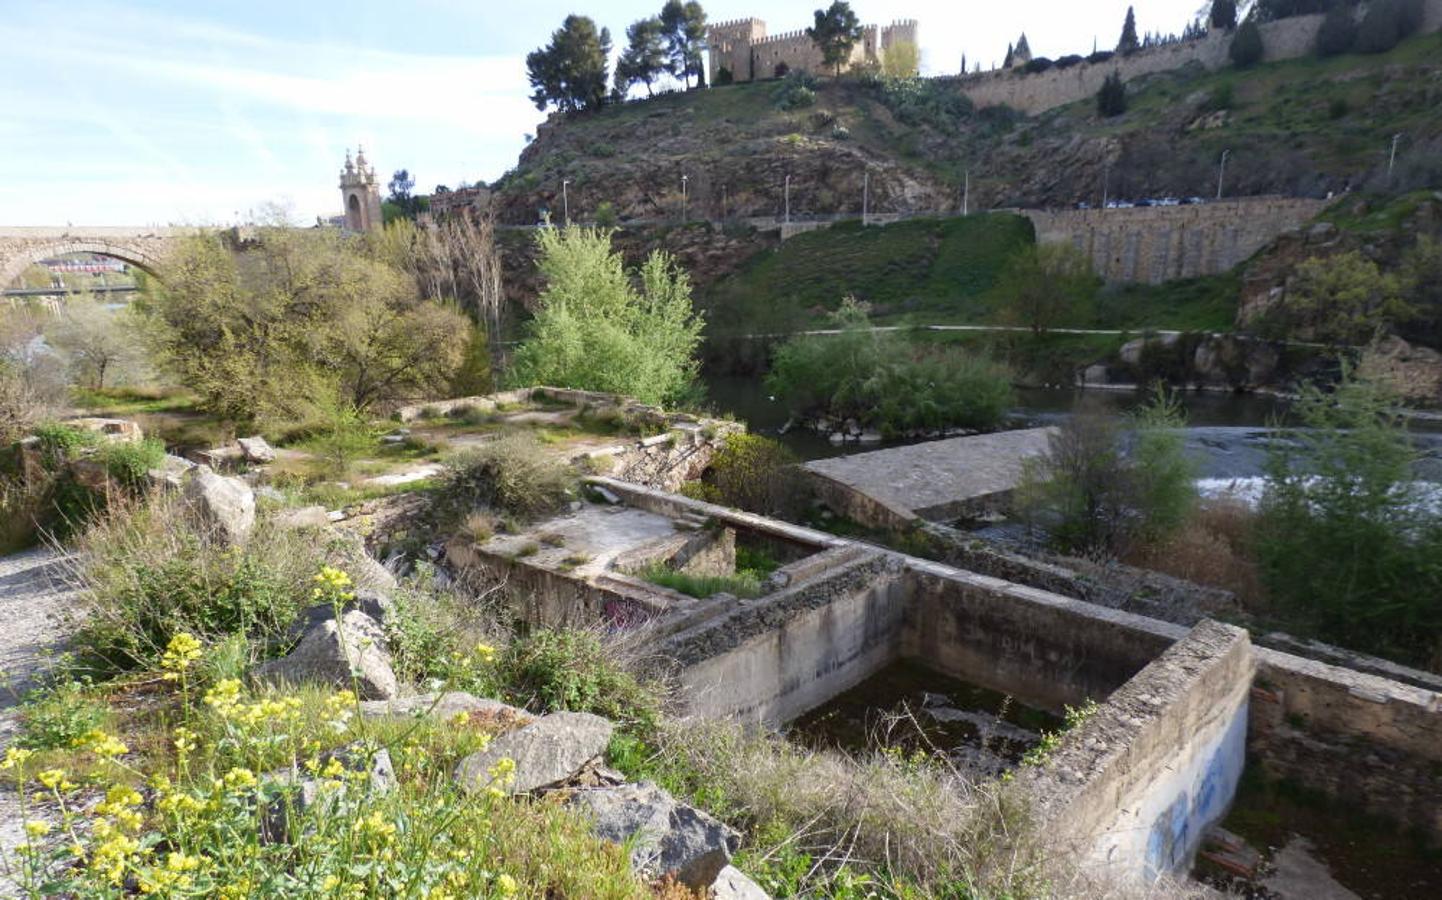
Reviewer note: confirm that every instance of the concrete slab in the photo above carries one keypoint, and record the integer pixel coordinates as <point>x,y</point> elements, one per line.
<point>597,533</point>
<point>938,479</point>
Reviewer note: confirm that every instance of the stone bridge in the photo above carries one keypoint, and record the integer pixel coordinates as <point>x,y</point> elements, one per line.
<point>141,247</point>
<point>1159,243</point>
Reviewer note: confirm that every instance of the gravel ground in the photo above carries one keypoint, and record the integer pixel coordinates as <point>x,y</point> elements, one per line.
<point>35,608</point>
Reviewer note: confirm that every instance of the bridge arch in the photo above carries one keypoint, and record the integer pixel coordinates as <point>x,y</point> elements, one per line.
<point>20,250</point>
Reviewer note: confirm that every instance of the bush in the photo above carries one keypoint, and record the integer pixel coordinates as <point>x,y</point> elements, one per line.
<point>550,671</point>
<point>1348,545</point>
<point>606,214</point>
<point>1103,487</point>
<point>1387,23</point>
<point>1038,64</point>
<point>513,475</point>
<point>754,473</point>
<point>925,102</point>
<point>881,381</point>
<point>723,77</point>
<point>1246,49</point>
<point>796,91</point>
<point>1072,59</point>
<point>58,716</point>
<point>1112,97</point>
<point>149,575</point>
<point>1100,56</point>
<point>129,463</point>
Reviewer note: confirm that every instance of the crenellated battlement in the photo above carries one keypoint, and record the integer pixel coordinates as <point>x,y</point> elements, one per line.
<point>746,52</point>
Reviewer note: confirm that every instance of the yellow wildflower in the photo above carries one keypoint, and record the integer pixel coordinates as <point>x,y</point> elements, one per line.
<point>102,744</point>
<point>52,778</point>
<point>239,779</point>
<point>224,696</point>
<point>37,828</point>
<point>507,885</point>
<point>374,824</point>
<point>504,771</point>
<point>331,883</point>
<point>182,650</point>
<point>486,652</point>
<point>15,756</point>
<point>184,741</point>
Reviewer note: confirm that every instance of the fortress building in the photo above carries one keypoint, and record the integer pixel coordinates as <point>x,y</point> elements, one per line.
<point>360,193</point>
<point>742,50</point>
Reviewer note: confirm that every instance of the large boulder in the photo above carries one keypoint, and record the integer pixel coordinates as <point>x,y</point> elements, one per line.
<point>349,652</point>
<point>547,753</point>
<point>256,450</point>
<point>223,506</point>
<point>379,605</point>
<point>667,838</point>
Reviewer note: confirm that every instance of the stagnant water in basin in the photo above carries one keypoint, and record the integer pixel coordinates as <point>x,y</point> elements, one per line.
<point>909,707</point>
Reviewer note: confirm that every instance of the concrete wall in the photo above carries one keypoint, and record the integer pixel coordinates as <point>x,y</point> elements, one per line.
<point>1032,94</point>
<point>770,661</point>
<point>1155,244</point>
<point>1369,742</point>
<point>1132,790</point>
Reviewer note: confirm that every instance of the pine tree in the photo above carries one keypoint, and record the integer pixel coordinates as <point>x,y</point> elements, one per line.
<point>1338,31</point>
<point>836,31</point>
<point>1112,98</point>
<point>1129,43</point>
<point>683,25</point>
<point>1247,49</point>
<point>645,58</point>
<point>1224,14</point>
<point>570,72</point>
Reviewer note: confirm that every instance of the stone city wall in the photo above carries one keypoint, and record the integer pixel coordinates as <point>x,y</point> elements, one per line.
<point>1285,39</point>
<point>1133,789</point>
<point>1158,243</point>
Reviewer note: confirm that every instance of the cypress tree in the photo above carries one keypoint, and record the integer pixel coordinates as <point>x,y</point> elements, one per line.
<point>1129,42</point>
<point>1112,98</point>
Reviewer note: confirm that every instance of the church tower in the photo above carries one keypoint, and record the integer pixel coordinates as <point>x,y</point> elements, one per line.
<point>360,193</point>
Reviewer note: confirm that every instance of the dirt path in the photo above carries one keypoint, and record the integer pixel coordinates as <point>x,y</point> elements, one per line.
<point>35,608</point>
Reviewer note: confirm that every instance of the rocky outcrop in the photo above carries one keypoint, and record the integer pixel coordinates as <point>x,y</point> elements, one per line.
<point>445,707</point>
<point>256,450</point>
<point>667,839</point>
<point>547,753</point>
<point>1415,373</point>
<point>223,507</point>
<point>347,653</point>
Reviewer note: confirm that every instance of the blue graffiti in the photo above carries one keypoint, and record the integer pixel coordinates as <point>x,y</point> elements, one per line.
<point>1177,832</point>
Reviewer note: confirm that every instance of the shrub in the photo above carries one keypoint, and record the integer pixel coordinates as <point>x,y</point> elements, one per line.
<point>1337,108</point>
<point>58,716</point>
<point>595,331</point>
<point>1387,23</point>
<point>129,463</point>
<point>723,77</point>
<point>1112,97</point>
<point>1102,488</point>
<point>345,435</point>
<point>1038,64</point>
<point>606,214</point>
<point>513,475</point>
<point>925,102</point>
<point>1246,49</point>
<point>1100,56</point>
<point>1347,544</point>
<point>578,671</point>
<point>1224,96</point>
<point>796,91</point>
<point>1066,62</point>
<point>754,473</point>
<point>148,574</point>
<point>60,442</point>
<point>882,382</point>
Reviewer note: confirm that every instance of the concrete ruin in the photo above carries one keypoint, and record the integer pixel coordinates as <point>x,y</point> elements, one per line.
<point>1182,709</point>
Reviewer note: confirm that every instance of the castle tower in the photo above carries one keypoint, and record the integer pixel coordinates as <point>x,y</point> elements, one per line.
<point>730,45</point>
<point>360,193</point>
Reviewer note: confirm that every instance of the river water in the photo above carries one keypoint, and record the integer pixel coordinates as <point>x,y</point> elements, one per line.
<point>1227,434</point>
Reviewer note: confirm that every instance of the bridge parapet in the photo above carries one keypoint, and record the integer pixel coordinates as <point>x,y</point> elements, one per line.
<point>144,246</point>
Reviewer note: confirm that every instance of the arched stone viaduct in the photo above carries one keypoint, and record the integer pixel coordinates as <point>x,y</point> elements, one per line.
<point>144,248</point>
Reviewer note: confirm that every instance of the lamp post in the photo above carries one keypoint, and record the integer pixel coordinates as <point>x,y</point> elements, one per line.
<point>1106,177</point>
<point>1222,171</point>
<point>966,194</point>
<point>565,200</point>
<point>865,195</point>
<point>684,179</point>
<point>1392,157</point>
<point>788,200</point>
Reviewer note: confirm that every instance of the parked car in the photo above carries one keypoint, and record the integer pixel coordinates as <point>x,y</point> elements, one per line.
<point>1169,201</point>
<point>1193,201</point>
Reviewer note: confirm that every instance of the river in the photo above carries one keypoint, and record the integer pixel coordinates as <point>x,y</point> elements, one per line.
<point>1226,436</point>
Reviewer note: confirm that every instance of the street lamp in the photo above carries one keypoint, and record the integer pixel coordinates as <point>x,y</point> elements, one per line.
<point>1392,159</point>
<point>865,194</point>
<point>788,199</point>
<point>966,194</point>
<point>684,179</point>
<point>565,200</point>
<point>1222,171</point>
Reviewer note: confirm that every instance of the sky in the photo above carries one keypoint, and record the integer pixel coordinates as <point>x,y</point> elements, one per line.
<point>154,112</point>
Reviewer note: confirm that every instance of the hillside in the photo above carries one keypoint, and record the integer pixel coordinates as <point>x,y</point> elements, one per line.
<point>1305,126</point>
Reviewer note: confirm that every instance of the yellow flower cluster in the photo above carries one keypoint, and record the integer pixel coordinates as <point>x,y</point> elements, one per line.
<point>224,698</point>
<point>15,757</point>
<point>332,584</point>
<point>374,825</point>
<point>102,744</point>
<point>55,780</point>
<point>182,650</point>
<point>175,875</point>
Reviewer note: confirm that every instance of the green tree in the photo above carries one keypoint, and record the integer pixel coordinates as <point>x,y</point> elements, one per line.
<point>594,330</point>
<point>1347,546</point>
<point>1338,30</point>
<point>684,28</point>
<point>1246,49</point>
<point>1420,280</point>
<point>901,60</point>
<point>1129,42</point>
<point>835,32</point>
<point>1344,299</point>
<point>645,58</point>
<point>301,317</point>
<point>1224,14</point>
<point>1112,97</point>
<point>1386,23</point>
<point>570,72</point>
<point>1044,286</point>
<point>99,345</point>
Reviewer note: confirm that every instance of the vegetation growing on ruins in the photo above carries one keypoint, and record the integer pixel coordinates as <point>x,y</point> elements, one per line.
<point>594,330</point>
